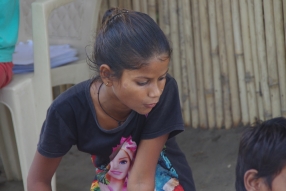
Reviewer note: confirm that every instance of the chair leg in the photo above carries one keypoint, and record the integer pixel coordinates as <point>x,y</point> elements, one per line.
<point>8,148</point>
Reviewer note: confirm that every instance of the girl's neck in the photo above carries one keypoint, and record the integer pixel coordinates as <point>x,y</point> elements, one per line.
<point>107,106</point>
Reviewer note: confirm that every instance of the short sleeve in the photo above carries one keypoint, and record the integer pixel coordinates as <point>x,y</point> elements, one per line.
<point>57,135</point>
<point>166,116</point>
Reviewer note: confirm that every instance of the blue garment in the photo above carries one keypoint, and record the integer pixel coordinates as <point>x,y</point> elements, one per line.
<point>9,25</point>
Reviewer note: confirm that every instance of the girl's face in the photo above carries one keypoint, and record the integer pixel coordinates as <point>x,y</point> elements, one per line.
<point>119,166</point>
<point>141,89</point>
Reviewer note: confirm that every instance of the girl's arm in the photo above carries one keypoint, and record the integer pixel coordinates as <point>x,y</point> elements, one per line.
<point>41,172</point>
<point>142,175</point>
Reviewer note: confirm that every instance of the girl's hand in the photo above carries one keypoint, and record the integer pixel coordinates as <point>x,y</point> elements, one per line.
<point>41,172</point>
<point>142,175</point>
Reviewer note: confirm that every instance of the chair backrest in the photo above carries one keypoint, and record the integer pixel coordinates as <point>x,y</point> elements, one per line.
<point>74,23</point>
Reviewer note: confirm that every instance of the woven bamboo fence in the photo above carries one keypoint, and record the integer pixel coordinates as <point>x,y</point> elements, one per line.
<point>228,57</point>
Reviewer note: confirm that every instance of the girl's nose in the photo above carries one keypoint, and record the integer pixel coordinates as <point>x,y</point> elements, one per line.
<point>155,91</point>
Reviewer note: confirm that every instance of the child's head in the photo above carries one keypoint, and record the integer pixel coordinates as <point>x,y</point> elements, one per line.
<point>128,40</point>
<point>261,163</point>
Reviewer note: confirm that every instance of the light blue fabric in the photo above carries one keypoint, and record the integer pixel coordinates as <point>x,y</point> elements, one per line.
<point>9,26</point>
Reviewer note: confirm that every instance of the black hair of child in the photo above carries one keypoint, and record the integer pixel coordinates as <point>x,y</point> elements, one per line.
<point>127,40</point>
<point>263,148</point>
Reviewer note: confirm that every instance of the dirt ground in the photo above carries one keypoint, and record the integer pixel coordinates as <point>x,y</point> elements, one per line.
<point>210,153</point>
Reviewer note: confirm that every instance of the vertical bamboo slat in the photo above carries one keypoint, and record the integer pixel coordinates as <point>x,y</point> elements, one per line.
<point>164,23</point>
<point>261,53</point>
<point>207,63</point>
<point>284,16</point>
<point>198,64</point>
<point>136,5</point>
<point>152,9</point>
<point>175,43</point>
<point>249,76</point>
<point>255,60</point>
<point>216,65</point>
<point>144,6</point>
<point>239,61</point>
<point>280,47</point>
<point>184,76</point>
<point>190,62</point>
<point>223,66</point>
<point>235,102</point>
<point>113,3</point>
<point>271,58</point>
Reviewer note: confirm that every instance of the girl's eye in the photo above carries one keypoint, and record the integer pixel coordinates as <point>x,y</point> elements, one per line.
<point>162,78</point>
<point>123,162</point>
<point>142,83</point>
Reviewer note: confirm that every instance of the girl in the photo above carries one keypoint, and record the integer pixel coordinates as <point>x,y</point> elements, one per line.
<point>133,98</point>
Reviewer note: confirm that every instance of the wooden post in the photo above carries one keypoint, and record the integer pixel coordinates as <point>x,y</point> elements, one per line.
<point>216,65</point>
<point>207,63</point>
<point>261,53</point>
<point>235,102</point>
<point>198,65</point>
<point>223,66</point>
<point>190,62</point>
<point>280,39</point>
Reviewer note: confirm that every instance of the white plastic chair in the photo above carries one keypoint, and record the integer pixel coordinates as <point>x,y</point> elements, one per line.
<point>28,96</point>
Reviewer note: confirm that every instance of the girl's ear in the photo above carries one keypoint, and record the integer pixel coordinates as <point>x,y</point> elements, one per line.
<point>251,182</point>
<point>105,74</point>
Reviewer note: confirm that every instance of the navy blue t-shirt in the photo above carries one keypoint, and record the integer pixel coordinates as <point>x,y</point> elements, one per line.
<point>71,120</point>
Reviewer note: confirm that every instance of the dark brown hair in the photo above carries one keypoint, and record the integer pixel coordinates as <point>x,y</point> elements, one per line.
<point>127,40</point>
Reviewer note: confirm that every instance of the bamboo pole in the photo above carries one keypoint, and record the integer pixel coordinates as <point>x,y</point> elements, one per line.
<point>198,63</point>
<point>255,60</point>
<point>239,61</point>
<point>113,3</point>
<point>164,23</point>
<point>284,16</point>
<point>235,102</point>
<point>280,39</point>
<point>144,6</point>
<point>273,82</point>
<point>249,76</point>
<point>190,62</point>
<point>261,53</point>
<point>184,77</point>
<point>216,65</point>
<point>152,9</point>
<point>136,5</point>
<point>207,63</point>
<point>223,66</point>
<point>175,42</point>
<point>124,4</point>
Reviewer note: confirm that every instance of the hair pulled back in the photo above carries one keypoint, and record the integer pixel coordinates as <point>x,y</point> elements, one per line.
<point>127,40</point>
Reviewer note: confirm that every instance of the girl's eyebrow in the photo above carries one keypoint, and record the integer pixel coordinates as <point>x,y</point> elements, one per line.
<point>122,158</point>
<point>150,78</point>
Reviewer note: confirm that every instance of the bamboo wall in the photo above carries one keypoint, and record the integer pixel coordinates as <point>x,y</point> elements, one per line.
<point>228,57</point>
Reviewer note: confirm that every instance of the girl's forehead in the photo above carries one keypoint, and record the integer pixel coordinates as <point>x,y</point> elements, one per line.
<point>155,66</point>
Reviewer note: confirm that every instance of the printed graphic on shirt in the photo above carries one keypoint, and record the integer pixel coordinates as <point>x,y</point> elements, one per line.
<point>114,176</point>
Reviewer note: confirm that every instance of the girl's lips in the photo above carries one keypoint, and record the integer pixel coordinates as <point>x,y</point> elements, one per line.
<point>116,172</point>
<point>150,105</point>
